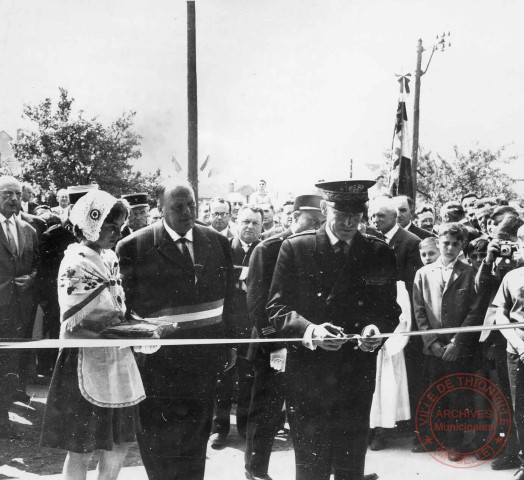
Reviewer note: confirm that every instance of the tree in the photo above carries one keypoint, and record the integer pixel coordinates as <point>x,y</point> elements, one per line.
<point>148,183</point>
<point>65,150</point>
<point>479,171</point>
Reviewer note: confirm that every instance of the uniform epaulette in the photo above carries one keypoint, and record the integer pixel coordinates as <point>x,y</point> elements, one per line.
<point>305,232</point>
<point>373,238</point>
<point>273,240</point>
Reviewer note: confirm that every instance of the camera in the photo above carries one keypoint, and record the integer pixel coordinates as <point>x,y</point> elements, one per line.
<point>507,260</point>
<point>507,249</point>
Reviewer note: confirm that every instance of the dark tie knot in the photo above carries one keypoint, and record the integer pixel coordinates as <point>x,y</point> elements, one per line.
<point>341,247</point>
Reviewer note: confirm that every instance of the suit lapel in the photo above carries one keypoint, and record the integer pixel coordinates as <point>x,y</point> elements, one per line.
<point>22,241</point>
<point>166,246</point>
<point>201,249</point>
<point>456,273</point>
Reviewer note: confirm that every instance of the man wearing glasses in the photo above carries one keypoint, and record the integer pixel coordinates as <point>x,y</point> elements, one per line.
<point>220,215</point>
<point>18,261</point>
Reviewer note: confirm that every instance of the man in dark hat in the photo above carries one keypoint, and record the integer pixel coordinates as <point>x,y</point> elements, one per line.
<point>265,412</point>
<point>139,215</point>
<point>327,284</point>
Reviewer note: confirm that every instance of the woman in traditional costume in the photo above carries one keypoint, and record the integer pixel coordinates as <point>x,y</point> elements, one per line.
<point>95,391</point>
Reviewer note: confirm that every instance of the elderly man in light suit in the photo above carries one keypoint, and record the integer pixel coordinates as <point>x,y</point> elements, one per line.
<point>18,262</point>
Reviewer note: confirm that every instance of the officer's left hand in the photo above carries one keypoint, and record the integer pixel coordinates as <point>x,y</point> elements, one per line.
<point>367,344</point>
<point>452,353</point>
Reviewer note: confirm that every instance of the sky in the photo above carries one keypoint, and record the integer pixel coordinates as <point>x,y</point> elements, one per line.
<point>288,91</point>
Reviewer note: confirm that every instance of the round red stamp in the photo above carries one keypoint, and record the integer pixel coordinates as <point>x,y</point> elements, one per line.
<point>463,420</point>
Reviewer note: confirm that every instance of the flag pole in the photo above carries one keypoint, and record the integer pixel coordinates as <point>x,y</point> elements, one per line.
<point>416,115</point>
<point>192,104</point>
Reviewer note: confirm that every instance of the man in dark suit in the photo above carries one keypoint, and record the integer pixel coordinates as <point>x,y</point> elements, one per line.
<point>18,267</point>
<point>425,218</point>
<point>265,412</point>
<point>383,214</point>
<point>220,214</point>
<point>27,204</point>
<point>405,215</point>
<point>326,284</point>
<point>249,229</point>
<point>139,214</point>
<point>177,268</point>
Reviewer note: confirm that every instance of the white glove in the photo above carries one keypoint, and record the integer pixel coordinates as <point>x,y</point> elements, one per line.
<point>277,360</point>
<point>148,349</point>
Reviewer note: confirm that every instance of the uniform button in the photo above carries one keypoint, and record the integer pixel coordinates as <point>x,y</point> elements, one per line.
<point>357,325</point>
<point>360,303</point>
<point>319,294</point>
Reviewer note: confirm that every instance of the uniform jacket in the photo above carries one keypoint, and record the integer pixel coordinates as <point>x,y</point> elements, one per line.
<point>308,281</point>
<point>455,306</point>
<point>154,278</point>
<point>405,245</point>
<point>419,232</point>
<point>12,266</point>
<point>310,286</point>
<point>241,324</point>
<point>261,268</point>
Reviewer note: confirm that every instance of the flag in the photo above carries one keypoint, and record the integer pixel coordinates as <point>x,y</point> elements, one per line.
<point>178,168</point>
<point>204,165</point>
<point>401,175</point>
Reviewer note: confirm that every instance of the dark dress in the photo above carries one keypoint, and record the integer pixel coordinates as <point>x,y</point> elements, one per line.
<point>71,422</point>
<point>74,424</point>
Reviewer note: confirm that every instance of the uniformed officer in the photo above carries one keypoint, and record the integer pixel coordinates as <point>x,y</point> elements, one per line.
<point>139,215</point>
<point>327,284</point>
<point>265,412</point>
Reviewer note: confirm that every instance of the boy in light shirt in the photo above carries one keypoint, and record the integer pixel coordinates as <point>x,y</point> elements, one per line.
<point>444,297</point>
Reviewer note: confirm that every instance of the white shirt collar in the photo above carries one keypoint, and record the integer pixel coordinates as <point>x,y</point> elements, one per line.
<point>175,236</point>
<point>408,225</point>
<point>245,245</point>
<point>333,240</point>
<point>389,235</point>
<point>439,264</point>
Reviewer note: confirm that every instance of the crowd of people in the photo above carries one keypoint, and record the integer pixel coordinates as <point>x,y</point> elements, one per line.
<point>299,279</point>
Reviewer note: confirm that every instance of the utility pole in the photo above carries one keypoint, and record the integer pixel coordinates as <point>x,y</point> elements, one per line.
<point>441,44</point>
<point>192,105</point>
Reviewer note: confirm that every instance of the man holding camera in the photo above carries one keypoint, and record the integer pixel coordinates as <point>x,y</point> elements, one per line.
<point>509,301</point>
<point>501,258</point>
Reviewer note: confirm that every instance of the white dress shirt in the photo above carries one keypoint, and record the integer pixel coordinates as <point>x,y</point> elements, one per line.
<point>175,236</point>
<point>389,235</point>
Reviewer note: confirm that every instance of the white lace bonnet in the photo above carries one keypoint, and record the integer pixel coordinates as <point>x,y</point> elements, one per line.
<point>90,211</point>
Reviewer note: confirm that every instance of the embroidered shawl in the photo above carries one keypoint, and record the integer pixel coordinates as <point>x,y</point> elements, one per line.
<point>91,296</point>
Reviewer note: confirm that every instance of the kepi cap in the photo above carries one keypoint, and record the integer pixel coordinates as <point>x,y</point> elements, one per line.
<point>307,202</point>
<point>347,195</point>
<point>76,192</point>
<point>136,199</point>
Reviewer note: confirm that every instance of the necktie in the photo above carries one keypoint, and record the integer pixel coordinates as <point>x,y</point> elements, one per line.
<point>11,237</point>
<point>340,251</point>
<point>188,265</point>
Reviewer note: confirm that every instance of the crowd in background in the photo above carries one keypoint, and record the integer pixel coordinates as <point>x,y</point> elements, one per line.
<point>450,264</point>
